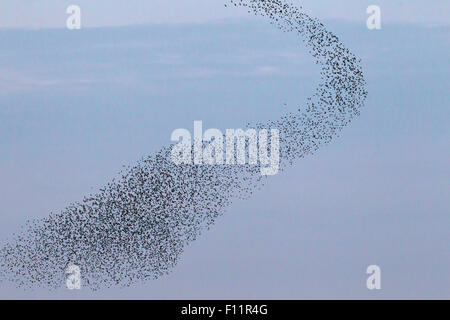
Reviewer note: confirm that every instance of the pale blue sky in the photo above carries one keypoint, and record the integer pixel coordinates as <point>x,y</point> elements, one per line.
<point>77,105</point>
<point>52,13</point>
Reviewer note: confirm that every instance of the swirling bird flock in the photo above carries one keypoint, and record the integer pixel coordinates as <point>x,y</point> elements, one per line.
<point>137,226</point>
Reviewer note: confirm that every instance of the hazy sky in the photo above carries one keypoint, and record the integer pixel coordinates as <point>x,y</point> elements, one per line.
<point>52,13</point>
<point>77,105</point>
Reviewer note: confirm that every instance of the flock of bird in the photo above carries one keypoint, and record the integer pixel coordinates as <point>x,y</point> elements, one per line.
<point>137,226</point>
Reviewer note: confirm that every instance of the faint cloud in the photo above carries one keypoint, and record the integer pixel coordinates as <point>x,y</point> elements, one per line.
<point>266,70</point>
<point>13,81</point>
